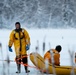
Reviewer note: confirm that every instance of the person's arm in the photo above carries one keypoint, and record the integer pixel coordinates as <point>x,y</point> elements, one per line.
<point>11,39</point>
<point>27,40</point>
<point>27,37</point>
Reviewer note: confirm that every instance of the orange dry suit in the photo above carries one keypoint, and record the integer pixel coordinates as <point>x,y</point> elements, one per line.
<point>56,57</point>
<point>20,40</point>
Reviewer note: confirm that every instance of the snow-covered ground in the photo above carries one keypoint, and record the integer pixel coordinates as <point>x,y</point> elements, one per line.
<point>52,37</point>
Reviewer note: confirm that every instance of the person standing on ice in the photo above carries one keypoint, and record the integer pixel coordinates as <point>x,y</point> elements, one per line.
<point>53,55</point>
<point>21,40</point>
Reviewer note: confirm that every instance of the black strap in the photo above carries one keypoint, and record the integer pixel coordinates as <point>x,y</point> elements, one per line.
<point>20,42</point>
<point>19,35</point>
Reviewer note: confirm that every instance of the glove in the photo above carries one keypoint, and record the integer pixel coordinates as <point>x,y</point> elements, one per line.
<point>10,49</point>
<point>27,47</point>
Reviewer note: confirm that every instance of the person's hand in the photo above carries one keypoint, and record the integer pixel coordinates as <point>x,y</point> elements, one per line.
<point>10,49</point>
<point>27,47</point>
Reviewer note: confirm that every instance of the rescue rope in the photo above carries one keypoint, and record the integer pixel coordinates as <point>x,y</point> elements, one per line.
<point>43,71</point>
<point>20,62</point>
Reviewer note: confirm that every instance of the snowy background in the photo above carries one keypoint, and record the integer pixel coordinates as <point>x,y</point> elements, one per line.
<point>38,13</point>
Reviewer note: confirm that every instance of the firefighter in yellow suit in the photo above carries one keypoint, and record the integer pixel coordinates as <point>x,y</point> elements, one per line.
<point>21,40</point>
<point>53,55</point>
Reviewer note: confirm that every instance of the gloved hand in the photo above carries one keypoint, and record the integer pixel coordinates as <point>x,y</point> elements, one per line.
<point>27,47</point>
<point>10,49</point>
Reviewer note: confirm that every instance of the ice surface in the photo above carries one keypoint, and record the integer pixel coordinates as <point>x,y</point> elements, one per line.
<point>52,37</point>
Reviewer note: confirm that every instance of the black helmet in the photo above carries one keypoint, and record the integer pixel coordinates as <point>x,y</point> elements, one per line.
<point>58,48</point>
<point>18,23</point>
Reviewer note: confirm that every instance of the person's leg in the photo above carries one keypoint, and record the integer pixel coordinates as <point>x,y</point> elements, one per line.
<point>18,61</point>
<point>25,61</point>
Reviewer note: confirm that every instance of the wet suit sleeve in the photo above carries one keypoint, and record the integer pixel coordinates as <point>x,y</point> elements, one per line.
<point>11,39</point>
<point>27,37</point>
